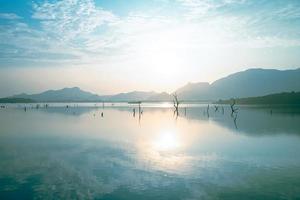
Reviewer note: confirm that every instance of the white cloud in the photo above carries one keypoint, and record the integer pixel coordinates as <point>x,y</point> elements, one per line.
<point>77,32</point>
<point>80,31</point>
<point>288,11</point>
<point>199,9</point>
<point>9,16</point>
<point>70,19</point>
<point>93,36</point>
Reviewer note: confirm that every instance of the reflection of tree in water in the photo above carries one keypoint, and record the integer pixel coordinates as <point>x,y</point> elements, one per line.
<point>234,116</point>
<point>234,112</point>
<point>77,111</point>
<point>233,108</point>
<point>207,110</point>
<point>216,108</point>
<point>140,111</point>
<point>253,120</point>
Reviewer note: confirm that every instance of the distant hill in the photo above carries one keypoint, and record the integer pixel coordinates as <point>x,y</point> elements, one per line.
<point>290,98</point>
<point>75,94</point>
<point>160,97</point>
<point>249,83</point>
<point>194,91</point>
<point>129,96</point>
<point>63,95</point>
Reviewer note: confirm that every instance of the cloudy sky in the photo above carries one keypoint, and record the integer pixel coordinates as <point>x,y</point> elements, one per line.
<point>109,46</point>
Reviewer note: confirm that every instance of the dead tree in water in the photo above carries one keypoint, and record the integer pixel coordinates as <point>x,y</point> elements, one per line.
<point>233,109</point>
<point>207,110</point>
<point>234,114</point>
<point>216,108</point>
<point>140,111</point>
<point>139,107</point>
<point>176,104</point>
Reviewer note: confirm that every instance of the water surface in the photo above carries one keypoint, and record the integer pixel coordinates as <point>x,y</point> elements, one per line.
<point>74,153</point>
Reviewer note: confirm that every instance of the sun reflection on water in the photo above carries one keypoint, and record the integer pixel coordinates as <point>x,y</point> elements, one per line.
<point>166,141</point>
<point>164,151</point>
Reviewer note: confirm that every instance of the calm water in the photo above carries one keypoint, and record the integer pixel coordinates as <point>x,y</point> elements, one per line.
<point>74,153</point>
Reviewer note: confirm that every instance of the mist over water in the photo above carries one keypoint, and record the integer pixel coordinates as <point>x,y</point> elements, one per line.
<point>76,153</point>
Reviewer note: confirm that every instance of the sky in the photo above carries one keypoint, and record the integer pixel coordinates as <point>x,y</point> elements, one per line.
<point>111,46</point>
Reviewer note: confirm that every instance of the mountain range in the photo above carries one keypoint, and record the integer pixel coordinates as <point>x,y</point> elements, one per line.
<point>75,94</point>
<point>248,83</point>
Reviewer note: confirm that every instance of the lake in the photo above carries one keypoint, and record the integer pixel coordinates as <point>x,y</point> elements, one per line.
<point>75,153</point>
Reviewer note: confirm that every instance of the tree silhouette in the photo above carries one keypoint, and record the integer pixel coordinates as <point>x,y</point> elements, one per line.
<point>233,109</point>
<point>176,104</point>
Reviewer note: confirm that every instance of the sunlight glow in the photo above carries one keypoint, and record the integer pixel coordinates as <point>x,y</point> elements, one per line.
<point>166,105</point>
<point>161,52</point>
<point>167,54</point>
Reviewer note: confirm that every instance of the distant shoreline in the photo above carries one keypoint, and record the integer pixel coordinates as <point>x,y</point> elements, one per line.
<point>284,98</point>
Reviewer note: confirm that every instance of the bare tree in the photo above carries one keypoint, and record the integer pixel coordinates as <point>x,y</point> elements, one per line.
<point>176,104</point>
<point>233,109</point>
<point>216,108</point>
<point>139,107</point>
<point>140,112</point>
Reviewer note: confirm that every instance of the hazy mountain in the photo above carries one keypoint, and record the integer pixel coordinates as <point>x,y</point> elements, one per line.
<point>129,96</point>
<point>75,94</point>
<point>249,83</point>
<point>63,95</point>
<point>193,91</point>
<point>252,82</point>
<point>160,97</point>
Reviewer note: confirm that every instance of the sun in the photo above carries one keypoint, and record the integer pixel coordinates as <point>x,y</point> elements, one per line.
<point>160,53</point>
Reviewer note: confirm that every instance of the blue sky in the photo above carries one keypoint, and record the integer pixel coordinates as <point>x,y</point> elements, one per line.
<point>109,46</point>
